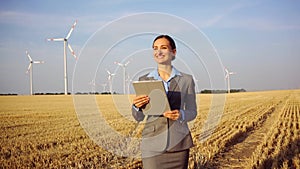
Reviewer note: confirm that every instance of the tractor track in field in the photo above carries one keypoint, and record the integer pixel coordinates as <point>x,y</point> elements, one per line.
<point>240,149</point>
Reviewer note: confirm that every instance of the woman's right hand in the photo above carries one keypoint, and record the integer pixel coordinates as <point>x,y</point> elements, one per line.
<point>141,101</point>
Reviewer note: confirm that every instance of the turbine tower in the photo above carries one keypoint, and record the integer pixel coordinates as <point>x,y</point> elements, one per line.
<point>109,78</point>
<point>65,40</point>
<point>29,70</point>
<point>124,74</point>
<point>227,76</point>
<point>104,87</point>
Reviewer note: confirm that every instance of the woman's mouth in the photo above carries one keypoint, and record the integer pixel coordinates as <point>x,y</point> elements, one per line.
<point>160,56</point>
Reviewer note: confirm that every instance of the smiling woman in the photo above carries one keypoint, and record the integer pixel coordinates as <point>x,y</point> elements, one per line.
<point>166,138</point>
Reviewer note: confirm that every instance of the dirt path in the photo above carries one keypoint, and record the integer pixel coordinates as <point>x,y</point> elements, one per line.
<point>235,155</point>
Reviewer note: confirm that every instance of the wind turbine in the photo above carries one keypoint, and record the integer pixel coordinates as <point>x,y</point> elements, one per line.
<point>227,76</point>
<point>65,40</point>
<point>124,74</point>
<point>29,70</point>
<point>93,84</point>
<point>109,78</point>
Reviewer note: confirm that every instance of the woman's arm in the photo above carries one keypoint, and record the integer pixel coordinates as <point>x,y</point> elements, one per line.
<point>190,106</point>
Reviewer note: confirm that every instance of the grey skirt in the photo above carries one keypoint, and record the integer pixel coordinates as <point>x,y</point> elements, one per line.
<point>168,160</point>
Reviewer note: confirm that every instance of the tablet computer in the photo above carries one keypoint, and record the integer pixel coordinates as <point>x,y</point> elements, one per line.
<point>156,91</point>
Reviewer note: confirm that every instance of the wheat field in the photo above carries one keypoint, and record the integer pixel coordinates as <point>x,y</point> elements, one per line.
<point>257,130</point>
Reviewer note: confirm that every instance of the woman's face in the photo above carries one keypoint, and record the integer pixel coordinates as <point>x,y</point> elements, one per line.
<point>162,51</point>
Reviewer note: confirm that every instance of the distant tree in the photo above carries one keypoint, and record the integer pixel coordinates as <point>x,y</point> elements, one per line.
<point>208,91</point>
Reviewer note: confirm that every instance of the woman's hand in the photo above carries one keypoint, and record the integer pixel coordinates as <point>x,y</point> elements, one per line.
<point>173,115</point>
<point>141,101</point>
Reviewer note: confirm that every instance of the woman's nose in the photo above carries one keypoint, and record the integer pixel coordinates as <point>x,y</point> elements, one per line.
<point>159,52</point>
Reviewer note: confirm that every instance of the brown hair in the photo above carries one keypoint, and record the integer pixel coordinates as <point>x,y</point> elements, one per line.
<point>171,41</point>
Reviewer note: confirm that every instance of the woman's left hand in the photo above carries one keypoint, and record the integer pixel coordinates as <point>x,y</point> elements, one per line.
<point>173,115</point>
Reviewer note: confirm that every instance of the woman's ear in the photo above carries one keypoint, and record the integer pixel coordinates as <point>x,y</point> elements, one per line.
<point>174,51</point>
<point>173,54</point>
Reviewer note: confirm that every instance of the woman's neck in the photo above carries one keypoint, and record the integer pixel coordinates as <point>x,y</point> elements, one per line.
<point>164,71</point>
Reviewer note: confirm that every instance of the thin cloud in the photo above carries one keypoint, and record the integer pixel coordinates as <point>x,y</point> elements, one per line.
<point>27,19</point>
<point>225,13</point>
<point>12,17</point>
<point>259,24</point>
<point>266,25</point>
<point>229,18</point>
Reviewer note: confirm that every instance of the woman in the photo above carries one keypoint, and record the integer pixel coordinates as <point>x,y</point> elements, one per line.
<point>166,138</point>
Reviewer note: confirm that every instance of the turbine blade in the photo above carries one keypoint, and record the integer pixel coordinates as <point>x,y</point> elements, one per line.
<point>127,63</point>
<point>55,39</point>
<point>226,70</point>
<point>72,51</point>
<point>38,62</point>
<point>28,56</point>
<point>71,30</point>
<point>29,67</point>
<point>120,64</point>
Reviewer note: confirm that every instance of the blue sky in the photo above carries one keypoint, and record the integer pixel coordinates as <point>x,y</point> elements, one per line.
<point>257,39</point>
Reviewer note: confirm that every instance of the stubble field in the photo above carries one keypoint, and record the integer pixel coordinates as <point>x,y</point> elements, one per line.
<point>257,130</point>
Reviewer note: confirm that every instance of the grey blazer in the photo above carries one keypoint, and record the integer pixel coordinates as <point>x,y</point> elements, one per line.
<point>161,134</point>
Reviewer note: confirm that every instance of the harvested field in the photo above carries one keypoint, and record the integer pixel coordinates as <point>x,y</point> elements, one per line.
<point>257,130</point>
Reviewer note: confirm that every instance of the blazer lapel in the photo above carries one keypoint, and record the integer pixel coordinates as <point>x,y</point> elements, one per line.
<point>174,83</point>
